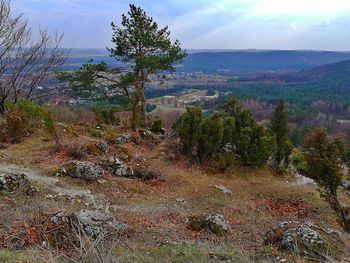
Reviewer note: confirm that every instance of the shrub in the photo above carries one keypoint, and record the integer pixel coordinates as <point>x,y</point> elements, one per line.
<point>220,162</point>
<point>3,131</point>
<point>146,174</point>
<point>111,135</point>
<point>156,126</point>
<point>150,107</point>
<point>27,115</point>
<point>211,138</point>
<point>206,137</point>
<point>299,161</point>
<point>17,126</point>
<point>93,149</point>
<point>94,133</point>
<point>75,150</point>
<point>50,126</point>
<point>189,127</point>
<point>106,114</point>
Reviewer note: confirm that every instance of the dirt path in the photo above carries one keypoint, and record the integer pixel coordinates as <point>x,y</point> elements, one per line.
<point>49,181</point>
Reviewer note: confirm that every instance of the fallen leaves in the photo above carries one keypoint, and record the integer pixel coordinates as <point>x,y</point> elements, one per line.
<point>284,207</point>
<point>160,185</point>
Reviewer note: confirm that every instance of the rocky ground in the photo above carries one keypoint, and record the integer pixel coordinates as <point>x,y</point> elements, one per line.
<point>139,201</point>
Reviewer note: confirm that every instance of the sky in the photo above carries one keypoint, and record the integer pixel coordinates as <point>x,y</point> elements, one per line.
<point>202,24</point>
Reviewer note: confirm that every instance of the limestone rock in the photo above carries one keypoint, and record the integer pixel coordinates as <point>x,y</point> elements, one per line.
<point>13,182</point>
<point>215,223</point>
<point>83,170</point>
<point>103,146</point>
<point>96,223</point>
<point>223,189</point>
<point>123,139</point>
<point>118,168</point>
<point>301,238</point>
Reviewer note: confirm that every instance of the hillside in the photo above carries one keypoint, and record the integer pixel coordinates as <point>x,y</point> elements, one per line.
<point>212,61</point>
<point>251,200</point>
<point>267,60</point>
<point>336,73</point>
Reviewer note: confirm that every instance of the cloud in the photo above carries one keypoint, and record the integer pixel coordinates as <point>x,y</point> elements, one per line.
<point>283,24</point>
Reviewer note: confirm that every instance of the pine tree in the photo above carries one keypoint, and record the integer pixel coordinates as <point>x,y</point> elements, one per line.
<point>279,127</point>
<point>148,50</point>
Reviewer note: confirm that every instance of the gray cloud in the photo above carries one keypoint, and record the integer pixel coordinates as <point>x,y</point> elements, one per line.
<point>197,23</point>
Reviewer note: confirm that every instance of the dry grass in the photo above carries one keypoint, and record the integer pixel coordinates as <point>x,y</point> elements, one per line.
<point>152,210</point>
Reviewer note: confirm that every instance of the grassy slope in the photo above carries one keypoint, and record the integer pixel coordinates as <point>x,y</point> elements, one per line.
<point>154,213</point>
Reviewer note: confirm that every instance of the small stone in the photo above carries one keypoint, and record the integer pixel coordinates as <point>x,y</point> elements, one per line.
<point>223,189</point>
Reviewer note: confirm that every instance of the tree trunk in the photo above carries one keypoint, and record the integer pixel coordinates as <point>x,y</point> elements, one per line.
<point>138,112</point>
<point>343,217</point>
<point>143,106</point>
<point>3,107</point>
<point>139,101</point>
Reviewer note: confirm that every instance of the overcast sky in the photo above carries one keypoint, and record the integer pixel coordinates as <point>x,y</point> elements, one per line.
<point>203,24</point>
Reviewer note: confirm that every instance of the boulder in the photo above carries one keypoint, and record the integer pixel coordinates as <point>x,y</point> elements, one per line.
<point>118,168</point>
<point>82,170</point>
<point>123,139</point>
<point>96,223</point>
<point>302,238</point>
<point>12,182</point>
<point>215,223</point>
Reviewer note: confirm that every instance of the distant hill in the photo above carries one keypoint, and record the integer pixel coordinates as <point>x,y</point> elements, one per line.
<point>215,60</point>
<point>255,59</point>
<point>335,73</point>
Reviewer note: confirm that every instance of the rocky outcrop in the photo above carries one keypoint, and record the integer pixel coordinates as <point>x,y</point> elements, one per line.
<point>118,168</point>
<point>300,180</point>
<point>82,170</point>
<point>96,223</point>
<point>302,238</point>
<point>13,182</point>
<point>215,223</point>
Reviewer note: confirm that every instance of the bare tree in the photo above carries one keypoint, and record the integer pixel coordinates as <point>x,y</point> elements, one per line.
<point>25,63</point>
